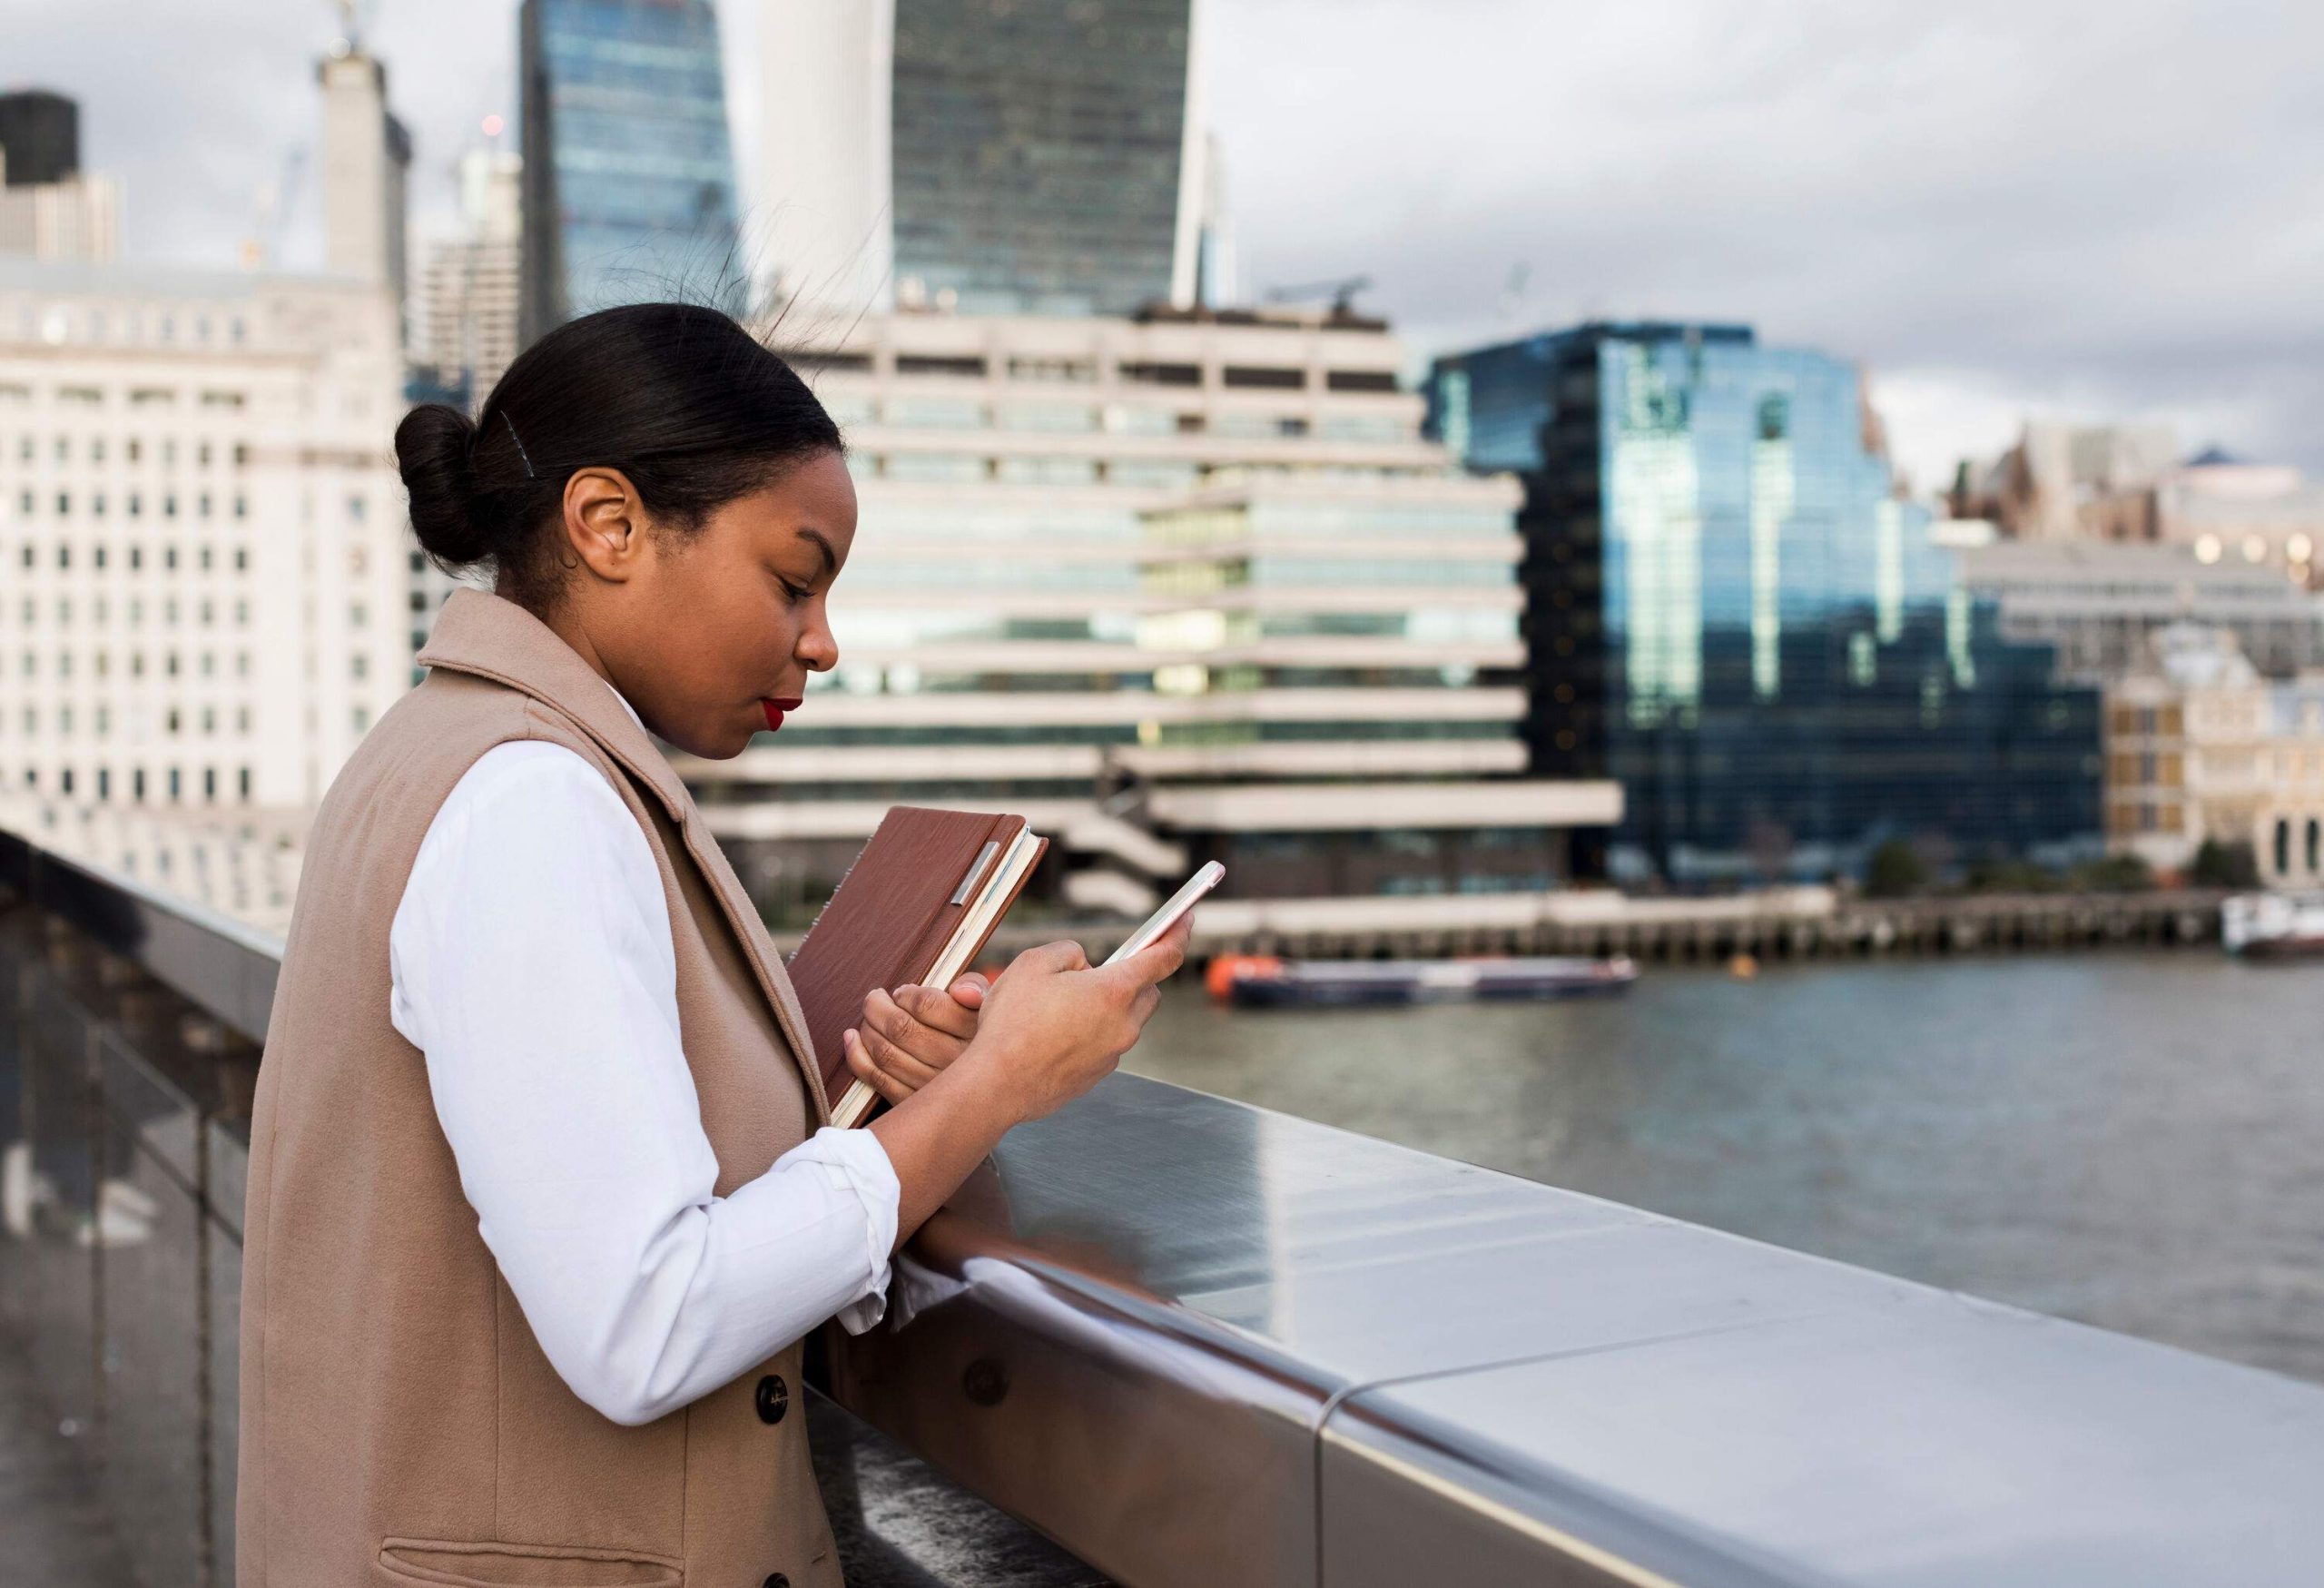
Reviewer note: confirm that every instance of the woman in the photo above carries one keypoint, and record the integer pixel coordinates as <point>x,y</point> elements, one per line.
<point>538,1206</point>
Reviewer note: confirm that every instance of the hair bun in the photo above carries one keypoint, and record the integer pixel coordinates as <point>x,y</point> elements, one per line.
<point>433,450</point>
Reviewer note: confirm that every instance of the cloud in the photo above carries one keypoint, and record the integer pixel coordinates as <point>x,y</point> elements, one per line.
<point>2000,206</point>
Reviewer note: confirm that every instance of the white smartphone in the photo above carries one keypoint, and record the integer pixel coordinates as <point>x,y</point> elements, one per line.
<point>1178,904</point>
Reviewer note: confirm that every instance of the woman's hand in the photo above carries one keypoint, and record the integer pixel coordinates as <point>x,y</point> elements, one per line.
<point>1050,1028</point>
<point>910,1035</point>
<point>1055,1026</point>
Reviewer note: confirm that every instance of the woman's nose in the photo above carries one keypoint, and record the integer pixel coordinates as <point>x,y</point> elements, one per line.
<point>819,649</point>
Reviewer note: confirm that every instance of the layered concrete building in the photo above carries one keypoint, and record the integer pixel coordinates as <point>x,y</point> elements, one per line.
<point>1177,586</point>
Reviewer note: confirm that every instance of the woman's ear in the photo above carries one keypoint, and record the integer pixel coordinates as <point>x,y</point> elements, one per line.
<point>605,523</point>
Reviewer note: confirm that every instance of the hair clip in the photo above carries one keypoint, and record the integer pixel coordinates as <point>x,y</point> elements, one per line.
<point>520,444</point>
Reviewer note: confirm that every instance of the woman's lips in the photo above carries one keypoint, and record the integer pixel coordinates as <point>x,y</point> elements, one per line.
<point>775,710</point>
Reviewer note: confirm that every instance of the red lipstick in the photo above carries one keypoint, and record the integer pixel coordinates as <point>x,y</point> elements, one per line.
<point>775,710</point>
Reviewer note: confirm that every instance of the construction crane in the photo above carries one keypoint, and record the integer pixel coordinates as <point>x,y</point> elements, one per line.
<point>1343,293</point>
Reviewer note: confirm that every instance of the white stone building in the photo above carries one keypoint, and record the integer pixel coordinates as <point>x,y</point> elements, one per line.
<point>203,552</point>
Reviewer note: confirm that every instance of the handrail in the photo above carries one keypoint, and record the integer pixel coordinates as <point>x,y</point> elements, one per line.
<point>1199,1343</point>
<point>216,963</point>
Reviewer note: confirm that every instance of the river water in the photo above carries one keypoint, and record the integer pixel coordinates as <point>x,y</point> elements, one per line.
<point>2135,1140</point>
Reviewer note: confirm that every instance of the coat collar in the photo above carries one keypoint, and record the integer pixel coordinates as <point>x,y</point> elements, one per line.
<point>494,637</point>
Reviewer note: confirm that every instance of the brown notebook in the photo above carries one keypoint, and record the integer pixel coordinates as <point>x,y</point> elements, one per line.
<point>915,907</point>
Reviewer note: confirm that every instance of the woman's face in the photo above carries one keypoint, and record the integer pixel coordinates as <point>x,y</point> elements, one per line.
<point>715,632</point>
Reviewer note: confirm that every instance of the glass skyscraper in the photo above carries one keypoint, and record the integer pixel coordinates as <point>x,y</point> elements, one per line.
<point>628,174</point>
<point>1039,153</point>
<point>1730,611</point>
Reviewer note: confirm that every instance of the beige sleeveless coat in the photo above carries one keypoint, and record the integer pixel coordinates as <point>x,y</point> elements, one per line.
<point>399,1424</point>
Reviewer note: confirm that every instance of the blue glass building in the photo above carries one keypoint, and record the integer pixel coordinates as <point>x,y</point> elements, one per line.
<point>629,175</point>
<point>1729,610</point>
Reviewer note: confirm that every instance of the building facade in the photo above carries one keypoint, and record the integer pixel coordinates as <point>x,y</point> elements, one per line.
<point>2101,604</point>
<point>49,207</point>
<point>2201,748</point>
<point>1730,613</point>
<point>203,537</point>
<point>2227,511</point>
<point>628,177</point>
<point>40,136</point>
<point>366,173</point>
<point>1170,587</point>
<point>1046,154</point>
<point>465,335</point>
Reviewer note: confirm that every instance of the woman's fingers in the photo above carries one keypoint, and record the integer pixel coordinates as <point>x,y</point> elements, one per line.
<point>866,1069</point>
<point>915,1070</point>
<point>941,1011</point>
<point>877,1075</point>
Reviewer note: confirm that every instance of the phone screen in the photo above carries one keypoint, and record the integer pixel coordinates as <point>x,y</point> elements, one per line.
<point>1178,904</point>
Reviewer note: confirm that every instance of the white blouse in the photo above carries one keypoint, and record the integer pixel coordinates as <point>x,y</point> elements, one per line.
<point>533,965</point>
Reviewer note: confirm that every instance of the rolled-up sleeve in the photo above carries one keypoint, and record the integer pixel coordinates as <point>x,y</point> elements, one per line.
<point>533,967</point>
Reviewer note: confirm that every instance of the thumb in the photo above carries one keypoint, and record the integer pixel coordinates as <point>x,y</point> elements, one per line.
<point>969,990</point>
<point>1063,955</point>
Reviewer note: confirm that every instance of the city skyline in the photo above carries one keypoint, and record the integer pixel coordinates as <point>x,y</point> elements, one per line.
<point>1990,207</point>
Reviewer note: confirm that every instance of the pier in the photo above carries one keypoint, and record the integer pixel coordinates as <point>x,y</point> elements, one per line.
<point>1777,924</point>
<point>1168,1340</point>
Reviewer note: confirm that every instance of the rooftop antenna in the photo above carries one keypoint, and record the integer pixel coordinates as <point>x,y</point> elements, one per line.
<point>1343,293</point>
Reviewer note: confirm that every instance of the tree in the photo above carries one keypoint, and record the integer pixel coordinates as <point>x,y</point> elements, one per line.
<point>1893,871</point>
<point>2117,873</point>
<point>2224,865</point>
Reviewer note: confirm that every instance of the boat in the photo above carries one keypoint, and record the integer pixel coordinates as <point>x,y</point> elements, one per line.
<point>2273,926</point>
<point>1267,982</point>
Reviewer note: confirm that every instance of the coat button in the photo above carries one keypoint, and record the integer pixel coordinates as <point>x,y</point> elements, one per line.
<point>773,1399</point>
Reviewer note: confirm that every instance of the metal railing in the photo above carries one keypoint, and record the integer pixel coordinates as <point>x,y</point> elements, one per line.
<point>1197,1343</point>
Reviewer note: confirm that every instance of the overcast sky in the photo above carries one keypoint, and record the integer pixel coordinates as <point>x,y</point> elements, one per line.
<point>2001,207</point>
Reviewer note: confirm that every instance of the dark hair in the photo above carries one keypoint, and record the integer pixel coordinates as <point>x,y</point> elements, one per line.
<point>679,398</point>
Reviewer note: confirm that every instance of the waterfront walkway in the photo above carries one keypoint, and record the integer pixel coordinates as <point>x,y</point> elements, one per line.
<point>53,1530</point>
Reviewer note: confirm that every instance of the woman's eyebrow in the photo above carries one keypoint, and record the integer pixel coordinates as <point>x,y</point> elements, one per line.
<point>831,557</point>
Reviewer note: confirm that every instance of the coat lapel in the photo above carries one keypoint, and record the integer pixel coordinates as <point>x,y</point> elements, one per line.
<point>491,636</point>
